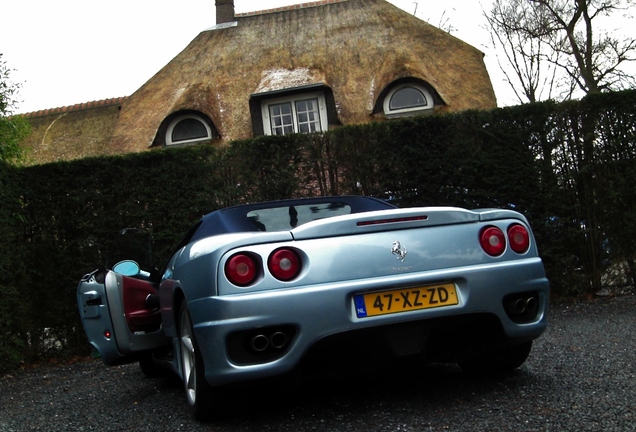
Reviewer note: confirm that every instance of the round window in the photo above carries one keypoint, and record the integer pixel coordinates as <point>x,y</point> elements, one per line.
<point>188,129</point>
<point>407,99</point>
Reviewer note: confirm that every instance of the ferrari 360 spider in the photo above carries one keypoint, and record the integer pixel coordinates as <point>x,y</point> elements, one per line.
<point>257,291</point>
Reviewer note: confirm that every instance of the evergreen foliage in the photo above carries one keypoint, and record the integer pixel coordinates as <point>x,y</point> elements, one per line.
<point>12,128</point>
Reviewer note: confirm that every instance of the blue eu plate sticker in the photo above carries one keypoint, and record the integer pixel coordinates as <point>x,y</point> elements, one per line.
<point>361,308</point>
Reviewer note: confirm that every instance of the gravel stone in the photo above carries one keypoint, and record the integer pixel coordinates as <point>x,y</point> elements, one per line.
<point>580,377</point>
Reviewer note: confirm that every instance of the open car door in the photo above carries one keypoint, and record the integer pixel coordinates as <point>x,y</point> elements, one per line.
<point>121,315</point>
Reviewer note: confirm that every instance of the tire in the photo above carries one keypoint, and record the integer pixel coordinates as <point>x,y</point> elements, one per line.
<point>497,360</point>
<point>199,393</point>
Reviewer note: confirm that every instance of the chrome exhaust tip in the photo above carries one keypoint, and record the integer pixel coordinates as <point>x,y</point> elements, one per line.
<point>259,343</point>
<point>532,304</point>
<point>520,306</point>
<point>278,340</point>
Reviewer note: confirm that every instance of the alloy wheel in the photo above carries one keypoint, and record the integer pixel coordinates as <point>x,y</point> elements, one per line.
<point>188,356</point>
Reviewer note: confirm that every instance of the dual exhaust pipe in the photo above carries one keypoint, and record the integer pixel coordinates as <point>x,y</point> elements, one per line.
<point>522,307</point>
<point>276,340</point>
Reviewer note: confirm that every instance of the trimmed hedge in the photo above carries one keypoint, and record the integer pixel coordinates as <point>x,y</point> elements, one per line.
<point>568,167</point>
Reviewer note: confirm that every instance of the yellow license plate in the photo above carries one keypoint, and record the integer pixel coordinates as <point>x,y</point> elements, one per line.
<point>404,300</point>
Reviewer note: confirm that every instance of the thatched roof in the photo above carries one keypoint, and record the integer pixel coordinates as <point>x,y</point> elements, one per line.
<point>354,47</point>
<point>72,132</point>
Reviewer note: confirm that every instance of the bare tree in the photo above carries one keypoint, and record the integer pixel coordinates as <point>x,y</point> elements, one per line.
<point>561,49</point>
<point>520,56</point>
<point>558,49</point>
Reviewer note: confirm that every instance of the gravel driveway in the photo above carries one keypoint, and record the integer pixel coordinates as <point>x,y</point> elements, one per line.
<point>580,377</point>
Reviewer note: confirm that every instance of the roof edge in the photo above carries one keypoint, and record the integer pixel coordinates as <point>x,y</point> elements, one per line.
<point>77,107</point>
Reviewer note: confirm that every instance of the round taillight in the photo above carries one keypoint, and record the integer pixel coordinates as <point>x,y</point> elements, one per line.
<point>492,240</point>
<point>284,264</point>
<point>519,238</point>
<point>241,269</point>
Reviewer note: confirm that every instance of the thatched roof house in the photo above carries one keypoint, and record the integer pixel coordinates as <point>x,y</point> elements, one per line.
<point>303,68</point>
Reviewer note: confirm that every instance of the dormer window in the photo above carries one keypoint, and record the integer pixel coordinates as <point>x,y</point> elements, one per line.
<point>304,109</point>
<point>184,128</point>
<point>301,113</point>
<point>188,129</point>
<point>407,99</point>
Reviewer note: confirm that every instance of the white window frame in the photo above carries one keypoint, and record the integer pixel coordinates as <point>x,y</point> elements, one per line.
<point>322,110</point>
<point>179,119</point>
<point>430,104</point>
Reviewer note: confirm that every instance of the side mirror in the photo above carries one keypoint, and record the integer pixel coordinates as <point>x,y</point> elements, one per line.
<point>127,268</point>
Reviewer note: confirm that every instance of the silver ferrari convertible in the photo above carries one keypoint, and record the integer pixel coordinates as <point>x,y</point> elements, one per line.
<point>265,290</point>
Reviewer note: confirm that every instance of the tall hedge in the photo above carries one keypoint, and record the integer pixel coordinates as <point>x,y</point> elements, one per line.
<point>14,272</point>
<point>568,167</point>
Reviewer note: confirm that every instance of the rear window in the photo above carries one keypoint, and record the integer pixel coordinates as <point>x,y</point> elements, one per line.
<point>287,217</point>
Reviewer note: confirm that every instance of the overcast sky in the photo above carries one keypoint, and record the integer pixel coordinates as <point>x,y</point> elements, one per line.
<point>66,52</point>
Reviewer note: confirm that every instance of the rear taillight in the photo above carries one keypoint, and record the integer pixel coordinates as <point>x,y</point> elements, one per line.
<point>284,264</point>
<point>241,269</point>
<point>492,240</point>
<point>519,238</point>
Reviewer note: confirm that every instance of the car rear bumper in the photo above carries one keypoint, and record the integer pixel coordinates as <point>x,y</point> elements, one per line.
<point>307,315</point>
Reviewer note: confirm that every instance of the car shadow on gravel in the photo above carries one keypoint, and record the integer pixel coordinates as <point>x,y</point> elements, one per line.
<point>434,386</point>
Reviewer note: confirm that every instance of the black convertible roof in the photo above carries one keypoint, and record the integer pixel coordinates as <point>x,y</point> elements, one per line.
<point>237,219</point>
